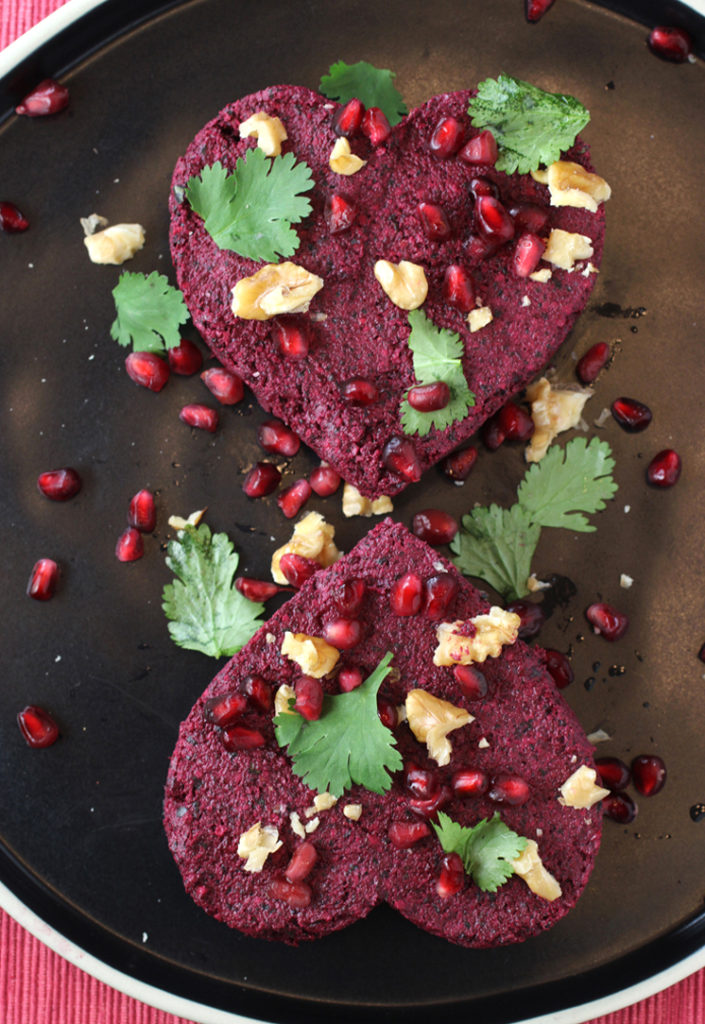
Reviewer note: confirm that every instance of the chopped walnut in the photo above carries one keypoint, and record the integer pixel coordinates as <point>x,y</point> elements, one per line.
<point>116,244</point>
<point>275,288</point>
<point>312,538</point>
<point>581,790</point>
<point>431,719</point>
<point>284,694</point>
<point>529,867</point>
<point>312,654</point>
<point>479,318</point>
<point>553,410</point>
<point>269,132</point>
<point>404,282</point>
<point>565,248</point>
<point>492,631</point>
<point>256,844</point>
<point>354,504</point>
<point>571,185</point>
<point>353,811</point>
<point>342,160</point>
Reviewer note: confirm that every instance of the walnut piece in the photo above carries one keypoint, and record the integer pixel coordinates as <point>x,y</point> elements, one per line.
<point>492,631</point>
<point>312,538</point>
<point>581,790</point>
<point>431,719</point>
<point>553,410</point>
<point>275,288</point>
<point>354,504</point>
<point>565,248</point>
<point>255,845</point>
<point>404,282</point>
<point>479,318</point>
<point>312,654</point>
<point>115,244</point>
<point>571,185</point>
<point>269,132</point>
<point>284,694</point>
<point>353,811</point>
<point>529,867</point>
<point>342,160</point>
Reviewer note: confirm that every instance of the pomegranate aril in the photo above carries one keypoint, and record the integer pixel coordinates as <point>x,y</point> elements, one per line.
<point>375,126</point>
<point>648,774</point>
<point>594,360</point>
<point>130,546</point>
<point>324,480</point>
<point>493,220</point>
<point>257,590</point>
<point>421,782</point>
<point>223,385</point>
<point>147,369</point>
<point>492,434</point>
<point>142,511</point>
<point>559,667</point>
<point>527,254</point>
<point>225,709</point>
<point>339,213</point>
<point>309,697</point>
<point>293,498</point>
<point>529,217</point>
<point>670,43</point>
<point>387,713</point>
<point>470,782</point>
<point>293,336</point>
<point>631,414</point>
<point>607,621</point>
<point>274,436</point>
<point>509,789</point>
<point>259,692</point>
<point>59,484</point>
<point>439,593</point>
<point>199,416</point>
<point>406,595</point>
<point>405,834</point>
<point>434,222</point>
<point>480,186</point>
<point>471,680</point>
<point>349,596</point>
<point>458,288</point>
<point>447,138</point>
<point>620,808</point>
<point>240,737</point>
<point>361,392</point>
<point>348,118</point>
<point>434,526</point>
<point>482,149</point>
<point>11,220</point>
<point>343,633</point>
<point>37,726</point>
<point>515,422</point>
<point>452,877</point>
<point>185,358</point>
<point>458,465</point>
<point>297,569</point>
<point>49,97</point>
<point>429,397</point>
<point>399,456</point>
<point>429,807</point>
<point>297,894</point>
<point>43,580</point>
<point>302,862</point>
<point>535,9</point>
<point>613,773</point>
<point>261,480</point>
<point>664,469</point>
<point>531,615</point>
<point>349,678</point>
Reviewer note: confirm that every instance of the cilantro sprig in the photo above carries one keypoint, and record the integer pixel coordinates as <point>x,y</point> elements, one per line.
<point>252,210</point>
<point>347,744</point>
<point>149,311</point>
<point>437,355</point>
<point>486,849</point>
<point>205,611</point>
<point>531,127</point>
<point>374,87</point>
<point>497,545</point>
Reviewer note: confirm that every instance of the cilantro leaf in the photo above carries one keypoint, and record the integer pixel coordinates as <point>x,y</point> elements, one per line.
<point>374,87</point>
<point>347,744</point>
<point>565,483</point>
<point>486,849</point>
<point>532,127</point>
<point>149,312</point>
<point>496,545</point>
<point>251,211</point>
<point>206,612</point>
<point>437,355</point>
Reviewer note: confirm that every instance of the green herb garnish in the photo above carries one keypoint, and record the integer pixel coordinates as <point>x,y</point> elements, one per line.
<point>150,312</point>
<point>486,850</point>
<point>437,355</point>
<point>374,87</point>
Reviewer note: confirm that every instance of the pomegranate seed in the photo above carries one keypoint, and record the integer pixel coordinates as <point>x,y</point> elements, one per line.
<point>360,392</point>
<point>42,582</point>
<point>470,782</point>
<point>594,360</point>
<point>535,9</point>
<point>49,97</point>
<point>493,220</point>
<point>348,118</point>
<point>37,726</point>
<point>349,596</point>
<point>406,596</point>
<point>302,862</point>
<point>259,692</point>
<point>142,512</point>
<point>515,422</point>
<point>492,434</point>
<point>527,254</point>
<point>634,416</point>
<point>59,484</point>
<point>439,594</point>
<point>670,43</point>
<point>274,436</point>
<point>480,186</point>
<point>509,789</point>
<point>185,358</point>
<point>480,150</point>
<point>257,590</point>
<point>479,247</point>
<point>471,681</point>
<point>225,709</point>
<point>239,737</point>
<point>223,385</point>
<point>458,465</point>
<point>559,668</point>
<point>648,774</point>
<point>613,773</point>
<point>399,456</point>
<point>297,569</point>
<point>532,618</point>
<point>664,469</point>
<point>297,894</point>
<point>261,480</point>
<point>11,220</point>
<point>429,397</point>
<point>607,621</point>
<point>620,808</point>
<point>293,498</point>
<point>147,369</point>
<point>309,697</point>
<point>324,480</point>
<point>339,213</point>
<point>130,546</point>
<point>434,526</point>
<point>429,808</point>
<point>375,126</point>
<point>452,877</point>
<point>447,138</point>
<point>387,713</point>
<point>404,834</point>
<point>342,633</point>
<point>421,782</point>
<point>458,288</point>
<point>199,416</point>
<point>434,222</point>
<point>349,678</point>
<point>293,335</point>
<point>529,217</point>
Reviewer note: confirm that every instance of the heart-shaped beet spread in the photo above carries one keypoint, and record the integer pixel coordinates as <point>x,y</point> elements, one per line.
<point>353,331</point>
<point>514,744</point>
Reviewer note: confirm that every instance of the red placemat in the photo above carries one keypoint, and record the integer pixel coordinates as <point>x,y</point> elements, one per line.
<point>39,987</point>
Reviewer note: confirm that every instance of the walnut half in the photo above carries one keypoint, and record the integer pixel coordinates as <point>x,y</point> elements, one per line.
<point>431,719</point>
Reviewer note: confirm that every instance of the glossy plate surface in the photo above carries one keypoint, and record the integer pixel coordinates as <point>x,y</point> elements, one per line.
<point>81,842</point>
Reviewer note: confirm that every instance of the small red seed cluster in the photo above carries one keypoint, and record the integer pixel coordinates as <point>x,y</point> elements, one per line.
<point>647,774</point>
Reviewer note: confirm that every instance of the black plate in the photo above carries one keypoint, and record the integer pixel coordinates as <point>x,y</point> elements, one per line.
<point>82,843</point>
